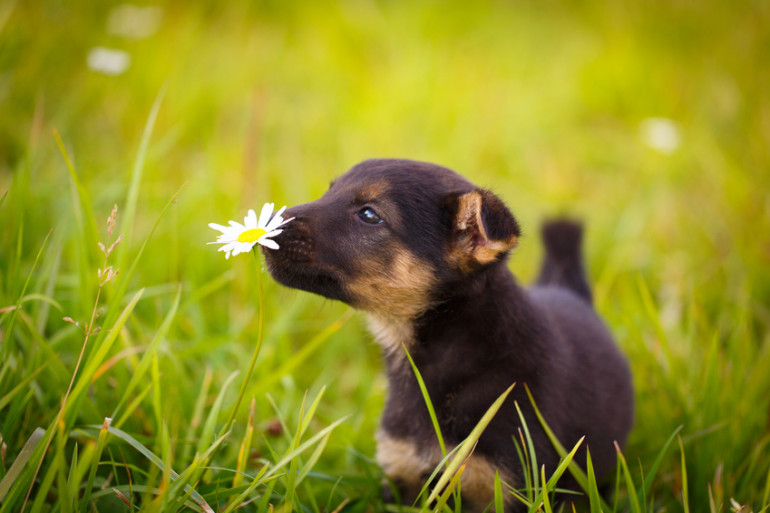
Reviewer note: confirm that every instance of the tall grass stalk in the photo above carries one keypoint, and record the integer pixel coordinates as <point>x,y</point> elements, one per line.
<point>106,274</point>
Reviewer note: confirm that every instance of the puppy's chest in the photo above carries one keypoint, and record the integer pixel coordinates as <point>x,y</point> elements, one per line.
<point>392,335</point>
<point>449,367</point>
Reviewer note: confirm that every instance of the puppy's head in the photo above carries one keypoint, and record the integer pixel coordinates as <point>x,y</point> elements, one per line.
<point>389,237</point>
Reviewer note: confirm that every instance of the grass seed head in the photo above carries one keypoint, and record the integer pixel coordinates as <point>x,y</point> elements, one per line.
<point>111,220</point>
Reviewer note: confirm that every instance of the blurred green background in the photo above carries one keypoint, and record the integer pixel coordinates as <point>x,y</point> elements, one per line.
<point>648,120</point>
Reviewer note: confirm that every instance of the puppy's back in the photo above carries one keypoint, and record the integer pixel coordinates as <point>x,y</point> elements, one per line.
<point>593,372</point>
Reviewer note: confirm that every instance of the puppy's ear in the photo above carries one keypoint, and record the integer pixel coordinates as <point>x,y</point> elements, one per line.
<point>483,229</point>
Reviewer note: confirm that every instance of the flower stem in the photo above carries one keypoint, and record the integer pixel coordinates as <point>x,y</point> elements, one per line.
<point>260,331</point>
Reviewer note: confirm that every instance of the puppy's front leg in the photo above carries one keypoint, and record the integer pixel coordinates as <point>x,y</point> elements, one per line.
<point>406,465</point>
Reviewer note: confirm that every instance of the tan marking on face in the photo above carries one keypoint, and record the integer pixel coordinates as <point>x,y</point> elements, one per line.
<point>373,191</point>
<point>398,292</point>
<point>406,463</point>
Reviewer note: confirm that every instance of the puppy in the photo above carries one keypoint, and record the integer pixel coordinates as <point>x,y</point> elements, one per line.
<point>423,252</point>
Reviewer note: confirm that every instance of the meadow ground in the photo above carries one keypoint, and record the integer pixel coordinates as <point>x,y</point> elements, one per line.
<point>650,121</point>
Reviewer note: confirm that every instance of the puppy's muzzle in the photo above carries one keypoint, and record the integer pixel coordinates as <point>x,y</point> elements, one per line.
<point>297,244</point>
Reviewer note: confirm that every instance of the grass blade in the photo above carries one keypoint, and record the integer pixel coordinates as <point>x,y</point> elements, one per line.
<point>685,495</point>
<point>132,195</point>
<point>529,449</point>
<point>82,204</point>
<point>454,484</point>
<point>656,464</point>
<point>546,501</point>
<point>20,461</point>
<point>466,447</point>
<point>632,495</point>
<point>303,354</point>
<point>155,460</point>
<point>7,398</point>
<point>574,469</point>
<point>499,505</point>
<point>428,402</point>
<point>101,443</point>
<point>99,354</point>
<point>766,495</point>
<point>549,485</point>
<point>245,448</point>
<point>123,284</point>
<point>523,455</point>
<point>207,434</point>
<point>594,499</point>
<point>84,226</point>
<point>200,404</point>
<point>7,346</point>
<point>302,447</point>
<point>141,369</point>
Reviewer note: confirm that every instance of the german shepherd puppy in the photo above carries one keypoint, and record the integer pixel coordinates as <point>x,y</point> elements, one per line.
<point>423,252</point>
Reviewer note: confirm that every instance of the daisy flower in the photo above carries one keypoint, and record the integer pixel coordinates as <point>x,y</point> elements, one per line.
<point>241,238</point>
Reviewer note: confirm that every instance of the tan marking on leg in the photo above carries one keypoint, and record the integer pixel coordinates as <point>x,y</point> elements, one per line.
<point>405,463</point>
<point>477,483</point>
<point>402,461</point>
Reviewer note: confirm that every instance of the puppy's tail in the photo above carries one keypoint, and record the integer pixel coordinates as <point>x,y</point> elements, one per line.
<point>563,263</point>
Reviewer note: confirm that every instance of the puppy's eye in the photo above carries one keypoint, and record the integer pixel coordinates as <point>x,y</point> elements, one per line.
<point>369,216</point>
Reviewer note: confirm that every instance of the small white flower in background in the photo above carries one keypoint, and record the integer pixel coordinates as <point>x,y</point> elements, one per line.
<point>241,238</point>
<point>134,22</point>
<point>108,61</point>
<point>660,134</point>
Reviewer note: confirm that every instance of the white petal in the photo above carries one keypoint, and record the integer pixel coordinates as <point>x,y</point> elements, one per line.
<point>268,243</point>
<point>277,219</point>
<point>243,247</point>
<point>226,248</point>
<point>219,227</point>
<point>273,224</point>
<point>270,235</point>
<point>264,216</point>
<point>250,221</point>
<point>238,226</point>
<point>230,235</point>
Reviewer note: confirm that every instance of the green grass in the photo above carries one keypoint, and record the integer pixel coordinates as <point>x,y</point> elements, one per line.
<point>232,104</point>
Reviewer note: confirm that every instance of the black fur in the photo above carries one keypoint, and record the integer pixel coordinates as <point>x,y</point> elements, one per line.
<point>475,331</point>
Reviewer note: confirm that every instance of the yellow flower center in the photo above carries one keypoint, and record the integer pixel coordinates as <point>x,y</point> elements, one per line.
<point>252,235</point>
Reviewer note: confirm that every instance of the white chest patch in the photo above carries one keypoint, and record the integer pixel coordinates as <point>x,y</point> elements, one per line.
<point>391,334</point>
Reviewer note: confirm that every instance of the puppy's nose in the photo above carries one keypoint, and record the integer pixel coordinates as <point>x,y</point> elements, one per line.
<point>296,243</point>
<point>297,212</point>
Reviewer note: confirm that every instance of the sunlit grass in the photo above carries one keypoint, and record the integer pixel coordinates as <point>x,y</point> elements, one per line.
<point>229,105</point>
